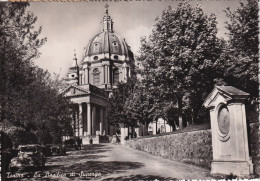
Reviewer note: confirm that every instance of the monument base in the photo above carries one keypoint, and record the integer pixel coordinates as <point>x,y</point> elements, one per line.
<point>238,168</point>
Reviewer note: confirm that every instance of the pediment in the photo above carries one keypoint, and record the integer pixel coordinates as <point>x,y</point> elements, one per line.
<point>223,94</point>
<point>74,91</point>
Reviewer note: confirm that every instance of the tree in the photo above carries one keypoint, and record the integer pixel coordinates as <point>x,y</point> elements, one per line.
<point>117,109</point>
<point>19,46</point>
<point>239,61</point>
<point>178,58</point>
<point>140,105</point>
<point>29,96</point>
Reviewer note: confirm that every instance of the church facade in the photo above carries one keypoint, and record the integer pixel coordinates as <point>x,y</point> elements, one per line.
<point>107,61</point>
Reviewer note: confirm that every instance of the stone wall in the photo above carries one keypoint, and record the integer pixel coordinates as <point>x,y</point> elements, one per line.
<point>190,147</point>
<point>194,147</point>
<point>254,146</point>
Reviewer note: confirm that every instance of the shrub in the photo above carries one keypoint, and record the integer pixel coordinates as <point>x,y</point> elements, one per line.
<point>20,136</point>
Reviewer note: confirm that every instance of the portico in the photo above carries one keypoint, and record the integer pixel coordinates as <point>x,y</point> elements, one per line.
<point>88,110</point>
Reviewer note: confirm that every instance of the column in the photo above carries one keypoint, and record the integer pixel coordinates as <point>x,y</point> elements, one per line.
<point>73,121</point>
<point>124,73</point>
<point>80,120</point>
<point>77,121</point>
<point>101,120</point>
<point>89,118</point>
<point>103,74</point>
<point>83,77</point>
<point>122,139</point>
<point>93,120</point>
<point>137,132</point>
<point>108,76</point>
<point>105,121</point>
<point>154,128</point>
<point>86,72</point>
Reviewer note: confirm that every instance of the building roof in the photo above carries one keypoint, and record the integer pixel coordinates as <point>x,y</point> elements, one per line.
<point>232,91</point>
<point>107,41</point>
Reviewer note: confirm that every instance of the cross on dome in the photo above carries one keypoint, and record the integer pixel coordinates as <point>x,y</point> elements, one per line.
<point>107,6</point>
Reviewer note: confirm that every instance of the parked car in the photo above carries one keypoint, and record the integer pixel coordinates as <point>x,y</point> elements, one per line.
<point>6,156</point>
<point>58,150</point>
<point>46,149</point>
<point>71,144</point>
<point>29,156</point>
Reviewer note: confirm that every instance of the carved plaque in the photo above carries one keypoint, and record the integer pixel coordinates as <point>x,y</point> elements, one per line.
<point>223,120</point>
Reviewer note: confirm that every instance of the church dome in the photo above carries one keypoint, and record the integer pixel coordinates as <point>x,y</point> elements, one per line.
<point>108,42</point>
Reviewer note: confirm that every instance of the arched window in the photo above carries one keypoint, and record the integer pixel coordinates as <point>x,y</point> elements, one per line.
<point>116,76</point>
<point>96,77</point>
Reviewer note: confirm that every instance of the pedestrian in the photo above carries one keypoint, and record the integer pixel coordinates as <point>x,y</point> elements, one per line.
<point>135,135</point>
<point>80,143</point>
<point>91,141</point>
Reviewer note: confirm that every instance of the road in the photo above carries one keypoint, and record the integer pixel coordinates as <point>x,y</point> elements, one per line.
<point>113,162</point>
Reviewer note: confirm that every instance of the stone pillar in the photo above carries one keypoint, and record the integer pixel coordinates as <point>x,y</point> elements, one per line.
<point>229,131</point>
<point>103,74</point>
<point>101,120</point>
<point>108,75</point>
<point>77,122</point>
<point>105,122</point>
<point>94,120</point>
<point>89,120</point>
<point>154,128</point>
<point>80,120</point>
<point>122,130</point>
<point>73,121</point>
<point>86,75</point>
<point>137,130</point>
<point>125,72</point>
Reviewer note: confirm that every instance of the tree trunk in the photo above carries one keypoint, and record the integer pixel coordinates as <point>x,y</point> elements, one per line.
<point>180,112</point>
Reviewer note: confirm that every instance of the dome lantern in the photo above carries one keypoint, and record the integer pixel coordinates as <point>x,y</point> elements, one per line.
<point>107,23</point>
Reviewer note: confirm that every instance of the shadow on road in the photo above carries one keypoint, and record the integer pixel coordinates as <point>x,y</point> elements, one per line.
<point>85,161</point>
<point>102,167</point>
<point>139,177</point>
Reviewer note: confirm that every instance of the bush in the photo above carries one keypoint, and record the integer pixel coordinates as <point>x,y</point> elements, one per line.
<point>6,142</point>
<point>20,136</point>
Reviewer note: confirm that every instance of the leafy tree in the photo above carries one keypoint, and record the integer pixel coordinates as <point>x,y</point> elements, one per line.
<point>239,61</point>
<point>117,109</point>
<point>178,58</point>
<point>140,105</point>
<point>19,46</point>
<point>29,97</point>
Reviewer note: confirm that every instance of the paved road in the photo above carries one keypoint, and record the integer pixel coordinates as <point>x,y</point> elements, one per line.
<point>115,162</point>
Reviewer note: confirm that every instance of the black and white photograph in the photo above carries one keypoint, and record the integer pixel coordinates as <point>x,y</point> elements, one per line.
<point>147,90</point>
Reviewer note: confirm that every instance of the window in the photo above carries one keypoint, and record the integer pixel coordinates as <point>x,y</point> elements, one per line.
<point>96,47</point>
<point>116,57</point>
<point>127,72</point>
<point>95,57</point>
<point>96,77</point>
<point>115,76</point>
<point>115,47</point>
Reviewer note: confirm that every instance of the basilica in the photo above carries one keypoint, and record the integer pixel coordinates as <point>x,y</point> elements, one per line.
<point>107,61</point>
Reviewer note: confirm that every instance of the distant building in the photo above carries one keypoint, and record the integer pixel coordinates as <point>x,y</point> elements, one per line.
<point>108,60</point>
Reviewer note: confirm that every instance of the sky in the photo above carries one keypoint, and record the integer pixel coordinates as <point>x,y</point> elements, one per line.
<point>69,26</point>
